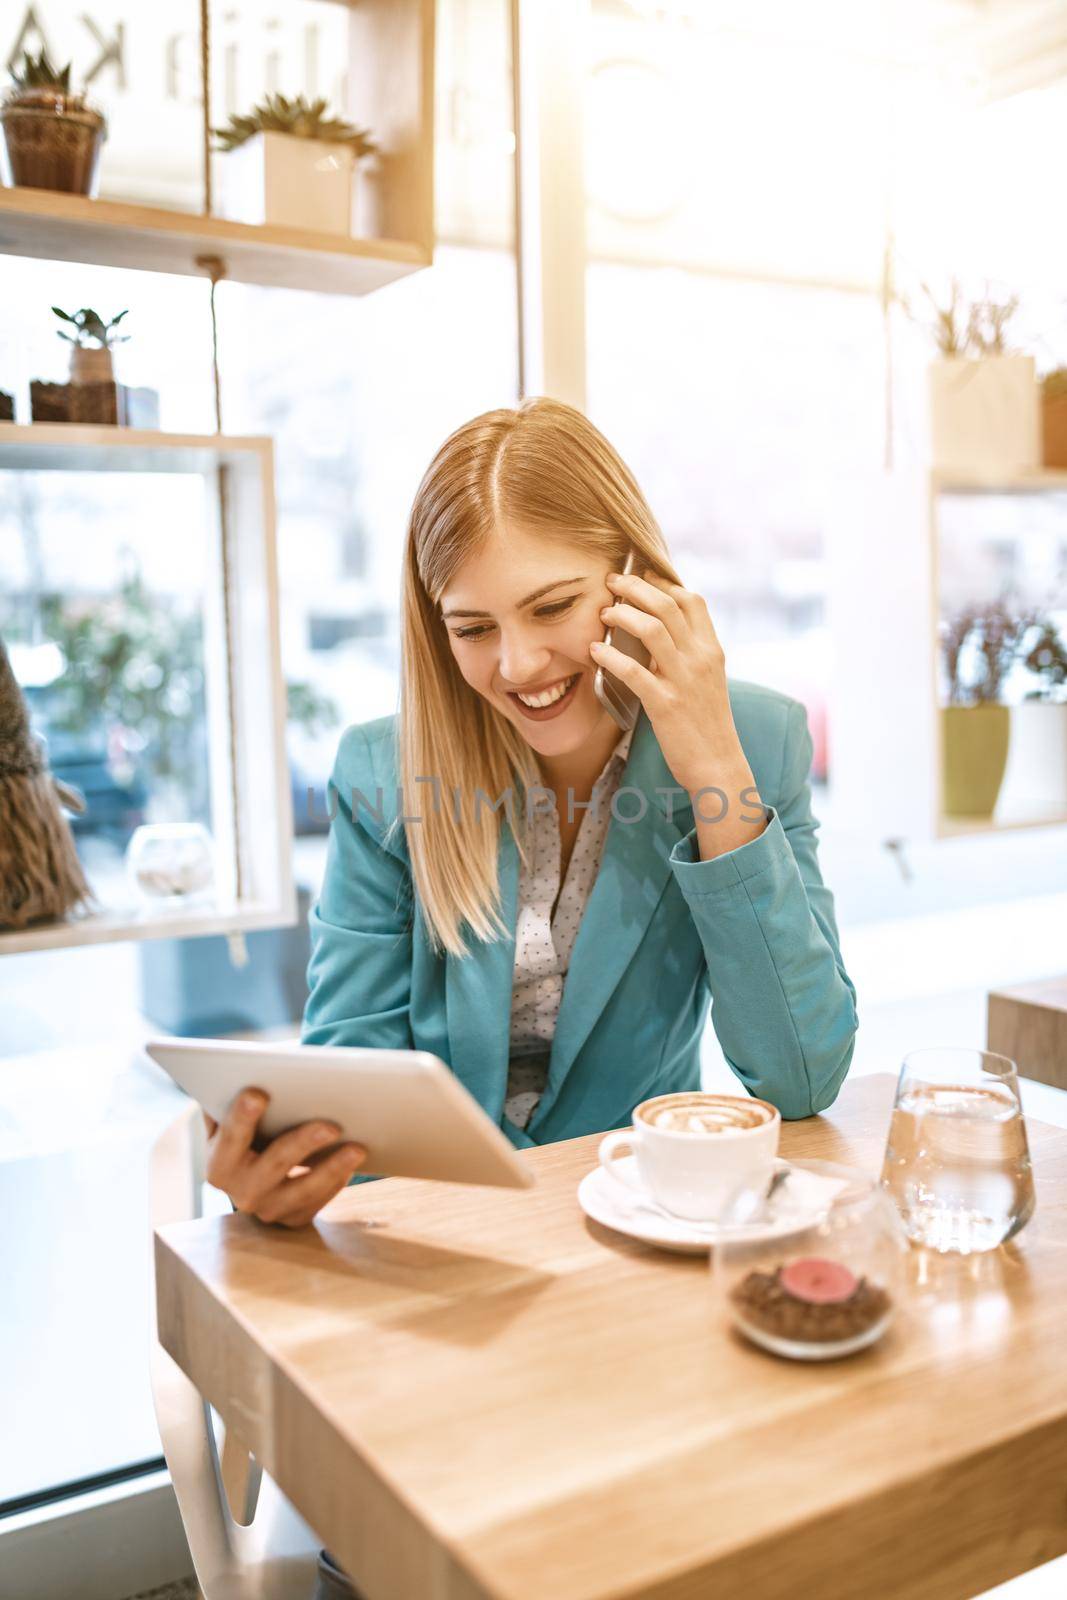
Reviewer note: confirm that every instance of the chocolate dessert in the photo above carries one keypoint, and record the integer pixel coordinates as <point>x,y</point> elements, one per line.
<point>811,1302</point>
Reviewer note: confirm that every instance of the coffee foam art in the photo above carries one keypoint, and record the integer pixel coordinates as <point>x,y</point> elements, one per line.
<point>704,1113</point>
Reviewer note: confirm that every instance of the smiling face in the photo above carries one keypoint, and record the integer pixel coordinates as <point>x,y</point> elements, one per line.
<point>532,610</point>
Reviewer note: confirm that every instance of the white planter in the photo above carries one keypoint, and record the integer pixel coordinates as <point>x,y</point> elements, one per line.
<point>1035,779</point>
<point>296,183</point>
<point>985,415</point>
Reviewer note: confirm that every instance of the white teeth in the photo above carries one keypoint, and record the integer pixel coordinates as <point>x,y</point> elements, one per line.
<point>549,697</point>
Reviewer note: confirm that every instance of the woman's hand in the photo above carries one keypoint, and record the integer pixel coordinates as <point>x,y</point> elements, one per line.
<point>283,1183</point>
<point>684,690</point>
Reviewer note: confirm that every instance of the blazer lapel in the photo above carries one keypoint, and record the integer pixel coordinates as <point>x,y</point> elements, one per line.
<point>478,996</point>
<point>633,873</point>
<point>632,876</point>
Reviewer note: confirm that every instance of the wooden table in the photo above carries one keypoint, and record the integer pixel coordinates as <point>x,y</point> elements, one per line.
<point>472,1393</point>
<point>1028,1023</point>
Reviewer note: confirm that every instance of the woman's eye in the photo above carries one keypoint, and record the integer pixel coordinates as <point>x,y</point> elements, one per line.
<point>554,610</point>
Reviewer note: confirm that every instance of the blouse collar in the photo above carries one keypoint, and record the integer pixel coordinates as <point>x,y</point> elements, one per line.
<point>619,754</point>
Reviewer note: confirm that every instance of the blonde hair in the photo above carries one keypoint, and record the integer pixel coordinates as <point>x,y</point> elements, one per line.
<point>544,467</point>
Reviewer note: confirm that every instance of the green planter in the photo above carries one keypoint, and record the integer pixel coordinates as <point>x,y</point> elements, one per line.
<point>974,753</point>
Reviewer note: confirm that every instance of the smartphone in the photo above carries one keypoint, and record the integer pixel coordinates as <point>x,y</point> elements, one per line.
<point>613,695</point>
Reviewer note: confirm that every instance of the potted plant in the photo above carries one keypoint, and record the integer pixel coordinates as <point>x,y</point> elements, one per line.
<point>982,394</point>
<point>52,134</point>
<point>287,162</point>
<point>91,344</point>
<point>1035,783</point>
<point>92,394</point>
<point>979,647</point>
<point>1054,418</point>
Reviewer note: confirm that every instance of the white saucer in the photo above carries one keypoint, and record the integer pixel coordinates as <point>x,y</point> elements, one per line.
<point>604,1199</point>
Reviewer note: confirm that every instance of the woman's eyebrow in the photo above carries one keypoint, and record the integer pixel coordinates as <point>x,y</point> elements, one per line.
<point>530,598</point>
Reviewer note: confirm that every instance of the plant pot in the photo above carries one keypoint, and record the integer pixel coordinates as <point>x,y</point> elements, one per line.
<point>105,403</point>
<point>279,178</point>
<point>94,403</point>
<point>52,141</point>
<point>984,416</point>
<point>1035,781</point>
<point>974,753</point>
<point>1054,430</point>
<point>49,402</point>
<point>88,365</point>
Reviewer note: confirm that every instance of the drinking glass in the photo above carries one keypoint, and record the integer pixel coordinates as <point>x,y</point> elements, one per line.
<point>957,1161</point>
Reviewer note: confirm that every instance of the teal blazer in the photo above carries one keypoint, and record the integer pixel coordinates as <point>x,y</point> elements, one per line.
<point>663,934</point>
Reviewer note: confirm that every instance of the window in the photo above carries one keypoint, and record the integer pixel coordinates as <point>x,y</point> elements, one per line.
<point>150,673</point>
<point>357,395</point>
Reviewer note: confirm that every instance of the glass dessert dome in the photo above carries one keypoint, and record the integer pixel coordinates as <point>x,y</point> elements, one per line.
<point>827,1289</point>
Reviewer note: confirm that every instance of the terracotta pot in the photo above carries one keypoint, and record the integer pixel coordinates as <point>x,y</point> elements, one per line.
<point>53,141</point>
<point>1054,430</point>
<point>974,753</point>
<point>49,402</point>
<point>89,365</point>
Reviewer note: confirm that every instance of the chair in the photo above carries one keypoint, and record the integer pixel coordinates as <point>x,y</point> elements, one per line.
<point>246,1540</point>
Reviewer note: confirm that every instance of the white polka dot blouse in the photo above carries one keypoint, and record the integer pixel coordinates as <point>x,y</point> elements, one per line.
<point>546,928</point>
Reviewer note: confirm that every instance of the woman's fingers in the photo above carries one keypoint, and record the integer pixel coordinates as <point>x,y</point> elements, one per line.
<point>260,1183</point>
<point>264,1172</point>
<point>650,597</point>
<point>294,1201</point>
<point>630,672</point>
<point>694,607</point>
<point>232,1138</point>
<point>652,631</point>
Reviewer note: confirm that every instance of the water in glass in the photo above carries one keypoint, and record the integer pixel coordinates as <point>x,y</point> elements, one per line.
<point>957,1161</point>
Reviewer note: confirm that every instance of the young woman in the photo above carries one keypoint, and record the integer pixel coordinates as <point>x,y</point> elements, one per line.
<point>512,882</point>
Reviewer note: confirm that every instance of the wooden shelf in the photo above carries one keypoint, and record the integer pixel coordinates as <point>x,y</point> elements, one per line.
<point>113,926</point>
<point>70,227</point>
<point>1043,480</point>
<point>390,68</point>
<point>78,447</point>
<point>959,827</point>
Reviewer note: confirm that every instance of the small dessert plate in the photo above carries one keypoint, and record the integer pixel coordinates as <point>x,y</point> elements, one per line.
<point>798,1200</point>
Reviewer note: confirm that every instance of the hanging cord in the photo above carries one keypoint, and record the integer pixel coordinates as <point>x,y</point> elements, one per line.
<point>205,102</point>
<point>888,295</point>
<point>215,268</point>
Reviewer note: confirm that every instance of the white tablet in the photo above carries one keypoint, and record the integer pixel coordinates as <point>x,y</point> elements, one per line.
<point>410,1113</point>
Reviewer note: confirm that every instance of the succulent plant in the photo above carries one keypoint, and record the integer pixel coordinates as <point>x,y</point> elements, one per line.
<point>91,329</point>
<point>305,119</point>
<point>39,73</point>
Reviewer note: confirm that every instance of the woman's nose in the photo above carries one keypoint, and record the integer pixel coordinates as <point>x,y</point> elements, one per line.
<point>522,658</point>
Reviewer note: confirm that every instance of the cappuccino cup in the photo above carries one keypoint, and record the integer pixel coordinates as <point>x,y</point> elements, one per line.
<point>699,1156</point>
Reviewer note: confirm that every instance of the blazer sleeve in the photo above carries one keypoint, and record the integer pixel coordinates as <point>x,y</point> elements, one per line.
<point>359,974</point>
<point>783,1006</point>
